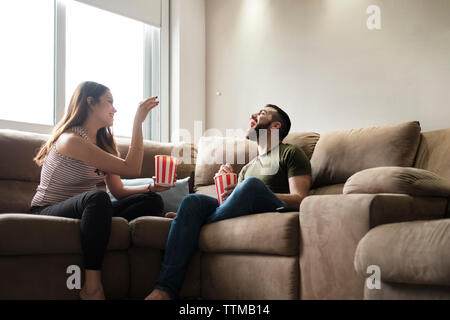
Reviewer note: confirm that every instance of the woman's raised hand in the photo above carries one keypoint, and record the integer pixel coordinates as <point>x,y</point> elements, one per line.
<point>145,107</point>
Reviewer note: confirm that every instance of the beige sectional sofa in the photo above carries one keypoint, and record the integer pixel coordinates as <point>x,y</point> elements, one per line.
<point>320,252</point>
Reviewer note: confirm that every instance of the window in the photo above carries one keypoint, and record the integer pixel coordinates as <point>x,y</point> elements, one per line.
<point>106,48</point>
<point>26,61</point>
<point>57,44</point>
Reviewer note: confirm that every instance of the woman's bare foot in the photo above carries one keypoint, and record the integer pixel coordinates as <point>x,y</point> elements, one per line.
<point>92,288</point>
<point>96,294</point>
<point>170,215</point>
<point>158,295</point>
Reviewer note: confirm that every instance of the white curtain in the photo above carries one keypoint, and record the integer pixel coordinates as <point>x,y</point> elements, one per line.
<point>147,11</point>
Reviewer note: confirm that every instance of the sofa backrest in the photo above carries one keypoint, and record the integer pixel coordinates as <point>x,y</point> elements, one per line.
<point>19,175</point>
<point>340,154</point>
<point>434,152</point>
<point>17,152</point>
<point>214,151</point>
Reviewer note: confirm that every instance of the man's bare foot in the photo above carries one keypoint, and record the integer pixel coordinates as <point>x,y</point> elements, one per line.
<point>92,295</point>
<point>158,295</point>
<point>170,215</point>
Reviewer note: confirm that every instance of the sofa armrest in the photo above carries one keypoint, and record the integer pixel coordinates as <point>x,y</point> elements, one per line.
<point>331,227</point>
<point>403,180</point>
<point>418,252</point>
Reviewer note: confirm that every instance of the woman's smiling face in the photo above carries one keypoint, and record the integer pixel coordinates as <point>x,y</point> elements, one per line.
<point>104,110</point>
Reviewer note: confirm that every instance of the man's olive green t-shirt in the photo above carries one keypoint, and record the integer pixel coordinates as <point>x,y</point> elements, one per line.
<point>276,166</point>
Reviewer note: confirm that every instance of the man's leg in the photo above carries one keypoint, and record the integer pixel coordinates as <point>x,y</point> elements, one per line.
<point>250,196</point>
<point>183,241</point>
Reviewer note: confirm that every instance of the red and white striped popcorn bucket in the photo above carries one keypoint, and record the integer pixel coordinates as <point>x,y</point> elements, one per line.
<point>165,169</point>
<point>222,181</point>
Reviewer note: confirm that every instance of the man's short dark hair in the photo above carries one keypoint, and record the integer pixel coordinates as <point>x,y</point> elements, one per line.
<point>283,118</point>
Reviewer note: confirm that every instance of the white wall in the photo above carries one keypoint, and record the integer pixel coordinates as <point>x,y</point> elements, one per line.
<point>318,60</point>
<point>187,65</point>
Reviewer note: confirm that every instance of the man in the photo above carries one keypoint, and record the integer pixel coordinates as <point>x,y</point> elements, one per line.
<point>261,188</point>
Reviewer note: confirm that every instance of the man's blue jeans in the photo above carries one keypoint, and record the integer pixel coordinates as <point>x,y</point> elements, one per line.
<point>249,197</point>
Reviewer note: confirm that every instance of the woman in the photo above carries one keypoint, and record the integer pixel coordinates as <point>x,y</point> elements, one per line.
<point>80,154</point>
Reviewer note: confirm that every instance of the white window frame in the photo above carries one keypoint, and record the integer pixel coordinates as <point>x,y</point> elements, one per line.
<point>164,118</point>
<point>156,78</point>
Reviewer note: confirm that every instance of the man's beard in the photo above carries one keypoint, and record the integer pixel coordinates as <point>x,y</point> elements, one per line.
<point>253,134</point>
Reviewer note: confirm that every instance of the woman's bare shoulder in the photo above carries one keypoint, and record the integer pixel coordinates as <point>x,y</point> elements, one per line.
<point>69,137</point>
<point>67,141</point>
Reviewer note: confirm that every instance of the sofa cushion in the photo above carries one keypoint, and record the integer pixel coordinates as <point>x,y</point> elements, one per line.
<point>16,162</point>
<point>15,196</point>
<point>215,151</point>
<point>266,233</point>
<point>408,252</point>
<point>28,234</point>
<point>209,190</point>
<point>150,232</point>
<point>331,189</point>
<point>340,154</point>
<point>434,152</point>
<point>304,140</point>
<point>416,182</point>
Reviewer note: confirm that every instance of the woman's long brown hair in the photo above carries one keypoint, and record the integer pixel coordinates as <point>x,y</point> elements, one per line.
<point>76,115</point>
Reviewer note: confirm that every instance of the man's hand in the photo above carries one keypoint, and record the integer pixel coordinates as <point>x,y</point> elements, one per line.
<point>225,168</point>
<point>227,192</point>
<point>170,215</point>
<point>299,189</point>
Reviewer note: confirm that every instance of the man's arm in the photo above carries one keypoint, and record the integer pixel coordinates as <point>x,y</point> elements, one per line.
<point>299,189</point>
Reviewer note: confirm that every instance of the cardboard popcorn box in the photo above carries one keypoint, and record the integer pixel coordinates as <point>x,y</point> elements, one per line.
<point>222,181</point>
<point>165,169</point>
